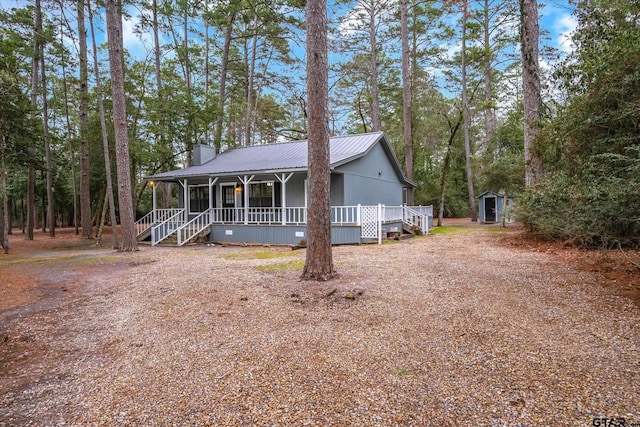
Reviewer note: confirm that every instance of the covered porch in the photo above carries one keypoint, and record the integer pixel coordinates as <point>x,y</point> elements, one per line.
<point>281,225</point>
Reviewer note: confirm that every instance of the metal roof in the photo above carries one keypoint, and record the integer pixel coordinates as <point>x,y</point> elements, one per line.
<point>281,157</point>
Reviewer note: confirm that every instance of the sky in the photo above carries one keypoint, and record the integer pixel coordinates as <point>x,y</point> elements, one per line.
<point>555,18</point>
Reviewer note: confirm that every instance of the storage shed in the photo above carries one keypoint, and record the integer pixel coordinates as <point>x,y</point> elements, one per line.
<point>492,206</point>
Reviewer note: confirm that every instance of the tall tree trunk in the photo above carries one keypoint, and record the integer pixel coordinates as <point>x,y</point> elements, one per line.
<point>252,64</point>
<point>453,129</point>
<point>85,172</point>
<point>156,46</point>
<point>376,122</point>
<point>31,201</point>
<point>35,65</point>
<point>191,135</point>
<point>489,111</point>
<point>43,206</point>
<point>103,215</point>
<point>105,139</point>
<point>207,126</point>
<point>465,117</point>
<point>224,62</point>
<point>406,98</point>
<point>319,262</point>
<point>4,197</point>
<point>183,59</point>
<point>125,199</point>
<point>51,212</point>
<point>529,34</point>
<point>159,136</point>
<point>69,131</point>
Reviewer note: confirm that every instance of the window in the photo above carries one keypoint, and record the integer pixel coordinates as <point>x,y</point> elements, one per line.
<point>261,195</point>
<point>198,198</point>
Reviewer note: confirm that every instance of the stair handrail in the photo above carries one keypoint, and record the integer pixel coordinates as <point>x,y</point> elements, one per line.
<point>154,217</point>
<point>192,228</point>
<point>144,224</point>
<point>409,215</point>
<point>165,228</point>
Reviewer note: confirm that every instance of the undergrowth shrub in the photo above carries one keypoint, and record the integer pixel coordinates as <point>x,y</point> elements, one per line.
<point>588,210</point>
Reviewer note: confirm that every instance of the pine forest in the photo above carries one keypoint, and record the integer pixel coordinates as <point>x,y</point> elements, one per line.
<point>473,96</point>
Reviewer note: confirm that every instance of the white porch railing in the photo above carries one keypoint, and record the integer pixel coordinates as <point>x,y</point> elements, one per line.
<point>268,216</point>
<point>165,222</point>
<point>164,229</point>
<point>156,216</point>
<point>192,228</point>
<point>415,218</point>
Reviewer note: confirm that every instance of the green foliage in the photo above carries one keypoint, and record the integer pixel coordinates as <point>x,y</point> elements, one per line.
<point>18,128</point>
<point>502,162</point>
<point>591,196</point>
<point>594,209</point>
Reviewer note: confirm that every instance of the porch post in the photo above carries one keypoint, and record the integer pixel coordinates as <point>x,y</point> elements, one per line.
<point>155,213</point>
<point>246,182</point>
<point>186,201</point>
<point>379,224</point>
<point>212,182</point>
<point>284,180</point>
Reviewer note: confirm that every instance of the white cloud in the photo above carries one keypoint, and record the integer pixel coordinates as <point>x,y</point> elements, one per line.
<point>564,26</point>
<point>135,42</point>
<point>557,18</point>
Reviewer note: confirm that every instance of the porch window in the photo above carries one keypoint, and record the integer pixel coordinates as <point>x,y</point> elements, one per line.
<point>264,194</point>
<point>198,198</point>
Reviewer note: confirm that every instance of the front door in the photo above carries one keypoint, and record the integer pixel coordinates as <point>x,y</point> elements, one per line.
<point>489,209</point>
<point>229,202</point>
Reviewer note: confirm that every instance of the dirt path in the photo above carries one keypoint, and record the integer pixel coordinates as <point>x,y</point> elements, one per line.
<point>471,326</point>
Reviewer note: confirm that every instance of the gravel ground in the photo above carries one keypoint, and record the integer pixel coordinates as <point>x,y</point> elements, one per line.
<point>448,329</point>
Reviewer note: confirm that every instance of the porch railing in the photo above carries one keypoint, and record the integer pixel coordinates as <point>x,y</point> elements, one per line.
<point>345,215</point>
<point>154,217</point>
<point>164,222</point>
<point>416,218</point>
<point>164,229</point>
<point>292,216</point>
<point>195,226</point>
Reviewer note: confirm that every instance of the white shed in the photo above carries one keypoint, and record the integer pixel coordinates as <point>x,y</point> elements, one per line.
<point>492,206</point>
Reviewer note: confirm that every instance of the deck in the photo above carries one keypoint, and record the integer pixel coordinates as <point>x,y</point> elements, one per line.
<point>280,225</point>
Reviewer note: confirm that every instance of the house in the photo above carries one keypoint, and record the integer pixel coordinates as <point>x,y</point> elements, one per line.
<point>492,207</point>
<point>258,194</point>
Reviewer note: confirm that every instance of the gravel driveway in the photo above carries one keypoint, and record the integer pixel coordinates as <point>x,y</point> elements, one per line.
<point>448,329</point>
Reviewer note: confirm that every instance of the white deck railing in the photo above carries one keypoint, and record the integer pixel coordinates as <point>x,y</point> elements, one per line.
<point>164,222</point>
<point>416,218</point>
<point>155,217</point>
<point>192,228</point>
<point>164,229</point>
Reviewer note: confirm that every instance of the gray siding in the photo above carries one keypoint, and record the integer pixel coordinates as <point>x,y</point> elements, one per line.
<point>295,190</point>
<point>371,179</point>
<point>278,234</point>
<point>337,190</point>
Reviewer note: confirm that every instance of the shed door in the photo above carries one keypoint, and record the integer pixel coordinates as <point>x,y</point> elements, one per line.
<point>489,209</point>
